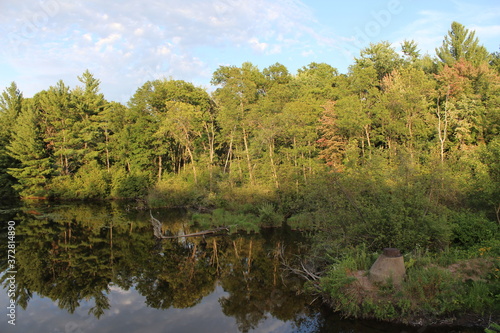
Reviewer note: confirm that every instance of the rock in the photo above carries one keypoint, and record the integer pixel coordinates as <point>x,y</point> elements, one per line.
<point>389,265</point>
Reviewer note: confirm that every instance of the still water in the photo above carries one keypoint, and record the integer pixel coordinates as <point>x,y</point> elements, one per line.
<point>99,268</point>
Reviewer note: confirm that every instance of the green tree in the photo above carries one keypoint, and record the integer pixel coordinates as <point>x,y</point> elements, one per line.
<point>462,43</point>
<point>495,61</point>
<point>110,121</point>
<point>381,56</point>
<point>147,141</point>
<point>27,146</point>
<point>410,49</point>
<point>407,97</point>
<point>467,106</point>
<point>316,81</point>
<point>238,91</point>
<point>88,103</point>
<point>11,101</point>
<point>183,123</point>
<point>59,117</point>
<point>491,158</point>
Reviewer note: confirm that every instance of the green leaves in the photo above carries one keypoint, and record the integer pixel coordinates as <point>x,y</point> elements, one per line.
<point>462,43</point>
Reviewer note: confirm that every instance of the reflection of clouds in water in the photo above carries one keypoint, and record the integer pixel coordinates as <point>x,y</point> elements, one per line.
<point>204,317</point>
<point>271,325</point>
<point>129,313</point>
<point>118,290</point>
<point>43,315</point>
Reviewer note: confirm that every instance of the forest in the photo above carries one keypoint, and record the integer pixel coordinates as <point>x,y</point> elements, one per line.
<point>401,151</point>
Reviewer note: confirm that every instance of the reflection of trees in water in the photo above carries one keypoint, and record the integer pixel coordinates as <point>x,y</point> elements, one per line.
<point>255,285</point>
<point>74,253</point>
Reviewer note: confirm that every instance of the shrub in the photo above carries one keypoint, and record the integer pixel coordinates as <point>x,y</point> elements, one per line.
<point>432,290</point>
<point>222,217</point>
<point>304,220</point>
<point>470,229</point>
<point>92,181</point>
<point>129,185</point>
<point>268,216</point>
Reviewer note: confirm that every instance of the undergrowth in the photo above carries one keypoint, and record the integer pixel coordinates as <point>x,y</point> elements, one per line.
<point>436,286</point>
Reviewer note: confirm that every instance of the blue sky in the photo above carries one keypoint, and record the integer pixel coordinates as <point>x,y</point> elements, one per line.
<point>126,43</point>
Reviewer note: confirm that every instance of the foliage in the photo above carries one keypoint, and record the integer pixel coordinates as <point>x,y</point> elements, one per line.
<point>402,151</point>
<point>129,185</point>
<point>462,43</point>
<point>470,229</point>
<point>428,291</point>
<point>492,328</point>
<point>175,191</point>
<point>268,216</point>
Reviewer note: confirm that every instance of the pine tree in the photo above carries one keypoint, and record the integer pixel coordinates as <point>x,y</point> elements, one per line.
<point>60,118</point>
<point>10,106</point>
<point>462,43</point>
<point>88,103</point>
<point>28,148</point>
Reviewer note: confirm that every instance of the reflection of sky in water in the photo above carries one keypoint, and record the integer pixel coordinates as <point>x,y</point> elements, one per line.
<point>127,314</point>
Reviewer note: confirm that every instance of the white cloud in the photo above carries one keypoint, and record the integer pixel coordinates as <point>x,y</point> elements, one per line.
<point>87,37</point>
<point>487,31</point>
<point>256,45</point>
<point>114,39</point>
<point>139,32</point>
<point>276,49</point>
<point>129,42</point>
<point>307,53</point>
<point>163,50</point>
<point>108,40</point>
<point>116,26</point>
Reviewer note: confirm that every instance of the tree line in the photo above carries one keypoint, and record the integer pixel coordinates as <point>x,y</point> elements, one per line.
<point>268,134</point>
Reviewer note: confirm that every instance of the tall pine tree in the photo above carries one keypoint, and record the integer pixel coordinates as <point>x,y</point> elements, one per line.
<point>462,43</point>
<point>27,147</point>
<point>10,106</point>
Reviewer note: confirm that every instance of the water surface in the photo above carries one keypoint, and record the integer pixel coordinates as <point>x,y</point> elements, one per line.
<point>99,268</point>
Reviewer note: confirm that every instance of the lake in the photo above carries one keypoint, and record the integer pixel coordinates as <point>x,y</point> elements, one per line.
<point>83,267</point>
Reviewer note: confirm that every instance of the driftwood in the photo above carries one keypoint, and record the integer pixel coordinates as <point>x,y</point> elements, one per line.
<point>158,233</point>
<point>195,234</point>
<point>156,226</point>
<point>305,272</point>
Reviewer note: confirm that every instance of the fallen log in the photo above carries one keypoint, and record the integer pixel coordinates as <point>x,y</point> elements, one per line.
<point>157,230</point>
<point>195,234</point>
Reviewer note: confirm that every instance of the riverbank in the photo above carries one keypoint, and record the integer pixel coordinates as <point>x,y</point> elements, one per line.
<point>438,290</point>
<point>455,286</point>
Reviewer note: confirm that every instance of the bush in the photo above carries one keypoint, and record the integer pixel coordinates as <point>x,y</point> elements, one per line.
<point>129,185</point>
<point>470,229</point>
<point>92,181</point>
<point>304,220</point>
<point>268,216</point>
<point>432,290</point>
<point>234,221</point>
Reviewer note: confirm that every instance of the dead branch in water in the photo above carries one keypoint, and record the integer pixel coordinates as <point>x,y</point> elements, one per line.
<point>303,271</point>
<point>195,234</point>
<point>158,233</point>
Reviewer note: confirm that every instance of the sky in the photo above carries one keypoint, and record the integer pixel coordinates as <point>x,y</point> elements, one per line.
<point>125,43</point>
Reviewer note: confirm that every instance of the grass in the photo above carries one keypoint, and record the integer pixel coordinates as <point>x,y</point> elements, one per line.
<point>437,286</point>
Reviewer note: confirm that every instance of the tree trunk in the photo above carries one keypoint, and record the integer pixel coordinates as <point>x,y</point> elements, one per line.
<point>160,162</point>
<point>273,166</point>
<point>249,162</point>
<point>192,163</point>
<point>442,128</point>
